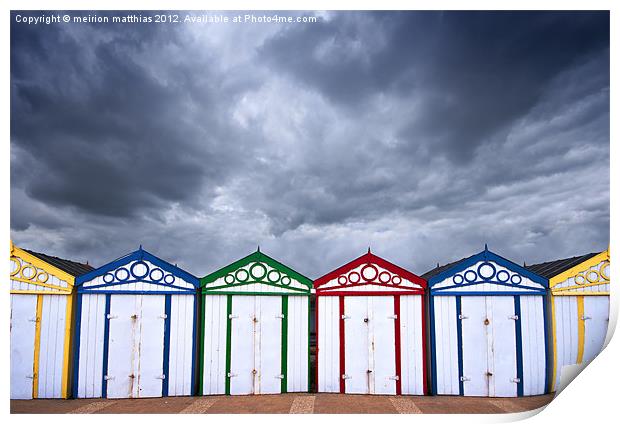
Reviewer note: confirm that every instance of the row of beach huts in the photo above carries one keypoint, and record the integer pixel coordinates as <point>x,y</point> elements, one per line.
<point>142,327</point>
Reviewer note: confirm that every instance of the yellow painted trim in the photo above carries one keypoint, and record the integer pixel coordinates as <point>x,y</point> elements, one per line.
<point>555,344</point>
<point>581,329</point>
<point>563,289</point>
<point>37,283</point>
<point>70,279</point>
<point>66,293</point>
<point>37,348</point>
<point>603,256</point>
<point>568,293</point>
<point>64,390</point>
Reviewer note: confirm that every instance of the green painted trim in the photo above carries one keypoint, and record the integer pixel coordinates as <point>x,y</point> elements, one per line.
<point>256,257</point>
<point>228,342</point>
<point>247,283</point>
<point>310,374</point>
<point>213,293</point>
<point>201,373</point>
<point>284,344</point>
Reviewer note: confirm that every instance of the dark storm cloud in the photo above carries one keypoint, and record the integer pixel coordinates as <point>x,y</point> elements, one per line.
<point>422,134</point>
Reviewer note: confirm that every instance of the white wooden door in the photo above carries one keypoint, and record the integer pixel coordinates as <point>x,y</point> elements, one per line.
<point>475,346</point>
<point>242,346</point>
<point>23,315</point>
<point>123,349</point>
<point>151,346</point>
<point>382,348</point>
<point>356,345</point>
<point>502,354</point>
<point>268,351</point>
<point>596,315</point>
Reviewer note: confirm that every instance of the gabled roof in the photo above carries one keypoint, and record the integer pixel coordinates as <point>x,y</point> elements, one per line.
<point>70,267</point>
<point>138,255</point>
<point>257,256</point>
<point>552,268</point>
<point>439,274</point>
<point>369,258</point>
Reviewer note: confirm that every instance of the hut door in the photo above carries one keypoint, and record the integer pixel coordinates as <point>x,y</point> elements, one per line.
<point>23,321</point>
<point>475,346</point>
<point>356,345</point>
<point>151,347</point>
<point>596,317</point>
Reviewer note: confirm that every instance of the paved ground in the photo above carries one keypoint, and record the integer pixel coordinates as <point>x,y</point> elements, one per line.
<point>284,404</point>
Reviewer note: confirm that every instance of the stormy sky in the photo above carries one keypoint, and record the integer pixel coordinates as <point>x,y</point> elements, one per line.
<point>421,134</point>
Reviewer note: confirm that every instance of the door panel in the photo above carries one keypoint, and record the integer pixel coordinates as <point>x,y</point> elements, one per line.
<point>382,348</point>
<point>596,308</point>
<point>269,349</point>
<point>242,346</point>
<point>475,347</point>
<point>23,314</point>
<point>123,349</point>
<point>151,348</point>
<point>503,361</point>
<point>356,344</point>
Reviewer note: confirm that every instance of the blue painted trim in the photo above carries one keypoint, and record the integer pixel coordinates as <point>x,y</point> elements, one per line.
<point>487,255</point>
<point>483,293</point>
<point>459,343</point>
<point>431,310</point>
<point>194,389</point>
<point>179,293</point>
<point>519,339</point>
<point>120,283</point>
<point>76,346</point>
<point>166,364</point>
<point>517,286</point>
<point>106,347</point>
<point>138,255</point>
<point>548,352</point>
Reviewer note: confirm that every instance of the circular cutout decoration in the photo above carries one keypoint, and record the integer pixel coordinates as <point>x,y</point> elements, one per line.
<point>258,271</point>
<point>286,280</point>
<point>156,275</point>
<point>28,272</point>
<point>43,277</point>
<point>169,279</point>
<point>369,272</point>
<point>486,270</point>
<point>604,271</point>
<point>516,279</point>
<point>229,278</point>
<point>354,277</point>
<point>139,269</point>
<point>121,274</point>
<point>16,266</point>
<point>342,280</point>
<point>385,277</point>
<point>108,277</point>
<point>580,279</point>
<point>273,276</point>
<point>458,279</point>
<point>590,273</point>
<point>503,276</point>
<point>242,275</point>
<point>396,280</point>
<point>470,276</point>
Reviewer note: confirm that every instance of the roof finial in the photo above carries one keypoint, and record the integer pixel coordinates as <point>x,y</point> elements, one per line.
<point>524,266</point>
<point>258,248</point>
<point>368,249</point>
<point>437,264</point>
<point>486,248</point>
<point>140,248</point>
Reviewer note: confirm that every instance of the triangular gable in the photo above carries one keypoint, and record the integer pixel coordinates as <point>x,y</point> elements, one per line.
<point>256,274</point>
<point>369,274</point>
<point>590,277</point>
<point>137,272</point>
<point>486,273</point>
<point>31,275</point>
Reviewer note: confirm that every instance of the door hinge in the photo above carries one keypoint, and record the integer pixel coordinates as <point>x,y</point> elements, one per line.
<point>110,316</point>
<point>164,316</point>
<point>161,377</point>
<point>463,378</point>
<point>393,317</point>
<point>584,318</point>
<point>231,316</point>
<point>463,317</point>
<point>281,316</point>
<point>345,376</point>
<point>230,375</point>
<point>280,376</point>
<point>30,376</point>
<point>394,377</point>
<point>345,316</point>
<point>515,380</point>
<point>514,317</point>
<point>110,377</point>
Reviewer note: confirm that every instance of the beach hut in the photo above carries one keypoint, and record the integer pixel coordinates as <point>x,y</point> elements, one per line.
<point>41,323</point>
<point>371,329</point>
<point>135,329</point>
<point>255,328</point>
<point>579,308</point>
<point>488,327</point>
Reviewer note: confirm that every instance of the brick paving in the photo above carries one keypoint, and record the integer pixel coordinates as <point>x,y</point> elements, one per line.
<point>294,403</point>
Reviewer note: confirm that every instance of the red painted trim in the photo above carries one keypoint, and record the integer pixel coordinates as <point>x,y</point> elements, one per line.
<point>316,334</point>
<point>369,293</point>
<point>424,364</point>
<point>342,368</point>
<point>397,344</point>
<point>371,283</point>
<point>365,259</point>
